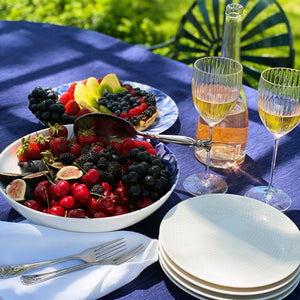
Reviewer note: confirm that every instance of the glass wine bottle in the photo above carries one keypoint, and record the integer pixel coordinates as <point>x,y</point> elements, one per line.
<point>230,136</point>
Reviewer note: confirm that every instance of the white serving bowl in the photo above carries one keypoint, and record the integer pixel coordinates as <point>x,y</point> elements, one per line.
<point>9,163</point>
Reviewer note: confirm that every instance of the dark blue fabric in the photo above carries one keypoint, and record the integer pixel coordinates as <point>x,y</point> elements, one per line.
<point>34,54</point>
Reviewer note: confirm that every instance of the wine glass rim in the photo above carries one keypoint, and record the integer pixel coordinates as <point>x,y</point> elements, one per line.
<point>279,68</point>
<point>219,58</point>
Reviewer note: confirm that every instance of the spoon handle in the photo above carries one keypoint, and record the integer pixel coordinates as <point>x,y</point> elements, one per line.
<point>179,139</point>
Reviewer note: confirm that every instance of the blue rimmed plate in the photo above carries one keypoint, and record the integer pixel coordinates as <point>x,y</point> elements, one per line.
<point>168,111</point>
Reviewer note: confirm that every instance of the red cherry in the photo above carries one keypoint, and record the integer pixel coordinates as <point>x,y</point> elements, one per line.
<point>144,203</point>
<point>100,214</point>
<point>61,189</point>
<point>53,202</point>
<point>82,194</point>
<point>33,204</point>
<point>92,177</point>
<point>120,191</point>
<point>107,193</point>
<point>91,205</point>
<point>120,210</point>
<point>42,193</point>
<point>105,205</point>
<point>73,186</point>
<point>57,211</point>
<point>45,210</point>
<point>76,213</point>
<point>67,202</point>
<point>107,186</point>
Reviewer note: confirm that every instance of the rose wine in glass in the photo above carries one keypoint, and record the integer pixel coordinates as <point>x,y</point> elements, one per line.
<point>279,109</point>
<point>216,85</point>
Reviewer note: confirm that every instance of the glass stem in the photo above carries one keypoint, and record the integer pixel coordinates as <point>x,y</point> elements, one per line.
<point>275,148</point>
<point>208,154</point>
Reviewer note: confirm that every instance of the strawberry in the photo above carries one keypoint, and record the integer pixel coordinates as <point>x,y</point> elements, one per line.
<point>83,111</point>
<point>59,146</point>
<point>75,149</point>
<point>72,108</point>
<point>65,98</point>
<point>28,150</point>
<point>86,137</point>
<point>96,147</point>
<point>42,141</point>
<point>71,90</point>
<point>57,131</point>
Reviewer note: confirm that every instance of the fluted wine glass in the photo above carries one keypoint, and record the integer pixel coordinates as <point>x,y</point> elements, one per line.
<point>279,109</point>
<point>216,84</point>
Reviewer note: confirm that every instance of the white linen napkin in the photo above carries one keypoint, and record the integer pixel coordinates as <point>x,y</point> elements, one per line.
<point>22,243</point>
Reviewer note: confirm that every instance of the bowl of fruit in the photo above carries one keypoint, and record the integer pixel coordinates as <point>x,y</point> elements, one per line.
<point>85,182</point>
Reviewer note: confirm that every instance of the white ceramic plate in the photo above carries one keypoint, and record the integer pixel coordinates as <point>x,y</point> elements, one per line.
<point>230,240</point>
<point>224,294</point>
<point>8,163</point>
<point>225,290</point>
<point>168,111</point>
<point>202,293</point>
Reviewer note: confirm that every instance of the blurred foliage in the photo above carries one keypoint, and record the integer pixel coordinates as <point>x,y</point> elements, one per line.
<point>137,22</point>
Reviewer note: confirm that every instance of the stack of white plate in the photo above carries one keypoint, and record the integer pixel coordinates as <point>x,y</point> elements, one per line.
<point>223,246</point>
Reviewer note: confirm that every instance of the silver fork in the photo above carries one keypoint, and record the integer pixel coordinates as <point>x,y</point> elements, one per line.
<point>110,260</point>
<point>89,255</point>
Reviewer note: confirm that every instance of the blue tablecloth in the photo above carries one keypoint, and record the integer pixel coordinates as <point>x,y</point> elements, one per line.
<point>34,54</point>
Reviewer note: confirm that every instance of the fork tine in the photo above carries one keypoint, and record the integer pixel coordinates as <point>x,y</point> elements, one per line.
<point>108,253</point>
<point>126,256</point>
<point>107,244</point>
<point>100,248</point>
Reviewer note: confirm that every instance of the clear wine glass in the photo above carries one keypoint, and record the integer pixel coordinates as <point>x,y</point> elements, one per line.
<point>216,85</point>
<point>279,109</point>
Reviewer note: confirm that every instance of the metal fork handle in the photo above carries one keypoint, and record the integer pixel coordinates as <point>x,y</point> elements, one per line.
<point>125,256</point>
<point>14,270</point>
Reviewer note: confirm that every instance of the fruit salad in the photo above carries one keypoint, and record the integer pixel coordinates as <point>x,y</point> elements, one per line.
<point>86,176</point>
<point>104,95</point>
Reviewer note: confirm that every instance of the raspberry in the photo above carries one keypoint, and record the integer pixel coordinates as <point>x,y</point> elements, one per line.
<point>128,144</point>
<point>151,151</point>
<point>124,115</point>
<point>72,108</point>
<point>133,112</point>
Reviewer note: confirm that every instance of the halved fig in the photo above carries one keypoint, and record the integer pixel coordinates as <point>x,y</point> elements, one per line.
<point>36,177</point>
<point>9,177</point>
<point>69,173</point>
<point>57,165</point>
<point>17,189</point>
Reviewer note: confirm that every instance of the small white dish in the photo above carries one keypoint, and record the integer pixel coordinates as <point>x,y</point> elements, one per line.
<point>202,293</point>
<point>230,240</point>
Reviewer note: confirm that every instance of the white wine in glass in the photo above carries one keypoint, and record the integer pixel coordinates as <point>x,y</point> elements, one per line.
<point>216,85</point>
<point>279,109</point>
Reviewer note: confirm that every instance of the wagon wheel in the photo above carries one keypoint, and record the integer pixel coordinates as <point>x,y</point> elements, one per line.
<point>265,33</point>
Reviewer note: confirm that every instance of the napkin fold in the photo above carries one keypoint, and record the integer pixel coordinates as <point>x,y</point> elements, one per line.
<point>22,243</point>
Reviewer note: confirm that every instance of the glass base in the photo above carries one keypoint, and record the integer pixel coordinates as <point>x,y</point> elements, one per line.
<point>196,184</point>
<point>276,198</point>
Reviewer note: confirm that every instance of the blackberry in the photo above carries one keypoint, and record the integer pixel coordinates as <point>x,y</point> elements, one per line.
<point>96,189</point>
<point>85,149</point>
<point>115,169</point>
<point>92,156</point>
<point>135,120</point>
<point>102,164</point>
<point>67,158</point>
<point>107,177</point>
<point>88,165</point>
